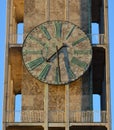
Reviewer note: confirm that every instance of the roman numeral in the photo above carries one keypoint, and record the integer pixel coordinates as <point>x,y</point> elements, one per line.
<point>81,64</point>
<point>25,52</point>
<point>35,63</point>
<point>44,72</point>
<point>71,75</point>
<point>36,40</point>
<point>45,31</point>
<point>82,52</point>
<point>58,27</point>
<point>78,41</point>
<point>70,32</point>
<point>57,76</point>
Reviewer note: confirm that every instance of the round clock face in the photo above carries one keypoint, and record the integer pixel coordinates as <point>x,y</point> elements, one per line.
<point>57,52</point>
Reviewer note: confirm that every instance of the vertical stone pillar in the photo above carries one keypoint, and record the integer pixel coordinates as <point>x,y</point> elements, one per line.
<point>67,107</point>
<point>13,24</point>
<point>10,98</point>
<point>46,107</point>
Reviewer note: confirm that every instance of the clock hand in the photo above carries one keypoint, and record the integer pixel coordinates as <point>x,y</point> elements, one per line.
<point>57,55</point>
<point>63,50</point>
<point>53,56</point>
<point>70,73</point>
<point>58,66</point>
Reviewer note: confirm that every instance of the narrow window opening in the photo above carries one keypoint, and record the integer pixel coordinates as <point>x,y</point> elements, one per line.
<point>18,100</point>
<point>95,33</point>
<point>96,108</point>
<point>20,30</point>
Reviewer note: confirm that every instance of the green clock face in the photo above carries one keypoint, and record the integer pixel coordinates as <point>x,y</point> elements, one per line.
<point>57,52</point>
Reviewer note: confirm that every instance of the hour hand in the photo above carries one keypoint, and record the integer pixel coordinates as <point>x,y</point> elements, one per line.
<point>53,56</point>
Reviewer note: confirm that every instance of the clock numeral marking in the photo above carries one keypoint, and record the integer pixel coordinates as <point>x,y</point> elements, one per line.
<point>35,63</point>
<point>45,31</point>
<point>36,40</point>
<point>58,26</point>
<point>70,32</point>
<point>57,77</point>
<point>71,75</point>
<point>44,72</point>
<point>25,52</point>
<point>82,52</point>
<point>81,64</point>
<point>78,41</point>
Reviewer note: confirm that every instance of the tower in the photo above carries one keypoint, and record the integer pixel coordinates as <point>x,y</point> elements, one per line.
<point>57,65</point>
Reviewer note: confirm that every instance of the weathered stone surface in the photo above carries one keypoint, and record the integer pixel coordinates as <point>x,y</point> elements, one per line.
<point>79,13</point>
<point>57,9</point>
<point>57,98</point>
<point>36,12</point>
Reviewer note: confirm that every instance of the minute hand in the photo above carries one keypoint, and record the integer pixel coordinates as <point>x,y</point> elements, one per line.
<point>71,75</point>
<point>52,57</point>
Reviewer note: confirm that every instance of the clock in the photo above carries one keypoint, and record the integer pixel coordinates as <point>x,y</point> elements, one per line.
<point>57,52</point>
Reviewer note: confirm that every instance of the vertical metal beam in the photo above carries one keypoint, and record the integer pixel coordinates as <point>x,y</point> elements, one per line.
<point>67,106</point>
<point>46,107</point>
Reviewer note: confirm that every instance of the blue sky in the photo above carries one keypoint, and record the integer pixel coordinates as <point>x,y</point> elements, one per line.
<point>2,53</point>
<point>111,41</point>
